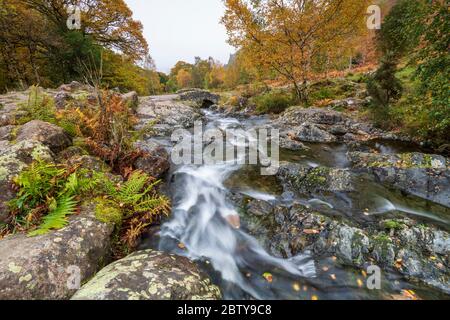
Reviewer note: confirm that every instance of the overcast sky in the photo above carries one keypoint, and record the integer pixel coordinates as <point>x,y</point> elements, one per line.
<point>182,29</point>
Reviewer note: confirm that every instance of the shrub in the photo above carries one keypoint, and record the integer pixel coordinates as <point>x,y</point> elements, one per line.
<point>273,102</point>
<point>107,130</point>
<point>47,194</point>
<point>384,87</point>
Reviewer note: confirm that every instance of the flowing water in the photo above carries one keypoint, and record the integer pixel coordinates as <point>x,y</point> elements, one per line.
<point>204,226</point>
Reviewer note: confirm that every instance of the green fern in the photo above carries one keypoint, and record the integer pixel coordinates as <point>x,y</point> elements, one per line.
<point>56,218</point>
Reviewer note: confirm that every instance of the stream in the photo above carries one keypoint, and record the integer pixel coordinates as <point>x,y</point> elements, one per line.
<point>203,224</point>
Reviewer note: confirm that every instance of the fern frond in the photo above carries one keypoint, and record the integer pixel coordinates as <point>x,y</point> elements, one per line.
<point>56,219</point>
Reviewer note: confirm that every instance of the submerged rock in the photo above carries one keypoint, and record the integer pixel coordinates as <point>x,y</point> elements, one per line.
<point>51,267</point>
<point>52,136</point>
<point>150,275</point>
<point>422,175</point>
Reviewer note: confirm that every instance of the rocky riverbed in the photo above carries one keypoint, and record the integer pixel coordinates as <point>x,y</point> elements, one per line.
<point>346,196</point>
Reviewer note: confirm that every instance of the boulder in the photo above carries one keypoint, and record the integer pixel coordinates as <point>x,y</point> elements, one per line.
<point>50,135</point>
<point>52,266</point>
<point>150,275</point>
<point>165,114</point>
<point>298,116</point>
<point>306,180</point>
<point>155,160</point>
<point>14,159</point>
<point>422,175</point>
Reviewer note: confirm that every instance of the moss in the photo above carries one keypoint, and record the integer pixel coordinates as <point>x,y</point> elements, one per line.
<point>380,164</point>
<point>317,177</point>
<point>382,239</point>
<point>107,212</point>
<point>427,161</point>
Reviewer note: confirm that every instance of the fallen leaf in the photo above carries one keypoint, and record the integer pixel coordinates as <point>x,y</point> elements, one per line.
<point>406,295</point>
<point>181,246</point>
<point>325,269</point>
<point>314,298</point>
<point>234,220</point>
<point>296,287</point>
<point>268,276</point>
<point>333,277</point>
<point>360,283</point>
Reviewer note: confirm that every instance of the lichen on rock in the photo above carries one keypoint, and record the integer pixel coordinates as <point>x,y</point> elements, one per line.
<point>149,275</point>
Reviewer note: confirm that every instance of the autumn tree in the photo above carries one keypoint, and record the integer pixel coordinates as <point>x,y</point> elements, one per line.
<point>286,35</point>
<point>108,22</point>
<point>38,47</point>
<point>184,79</point>
<point>216,77</point>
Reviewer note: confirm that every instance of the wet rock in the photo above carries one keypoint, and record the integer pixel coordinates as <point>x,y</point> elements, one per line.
<point>131,99</point>
<point>150,275</point>
<point>47,267</point>
<point>312,133</point>
<point>155,159</point>
<point>417,252</point>
<point>14,159</point>
<point>7,132</point>
<point>302,179</point>
<point>289,143</point>
<point>422,175</point>
<point>50,135</point>
<point>202,98</point>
